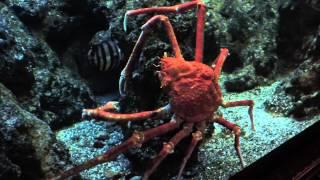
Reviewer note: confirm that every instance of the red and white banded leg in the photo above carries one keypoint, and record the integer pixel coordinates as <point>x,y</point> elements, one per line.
<point>118,117</point>
<point>146,28</point>
<point>249,103</point>
<point>236,131</point>
<point>177,9</point>
<point>196,138</point>
<point>168,148</point>
<point>136,140</point>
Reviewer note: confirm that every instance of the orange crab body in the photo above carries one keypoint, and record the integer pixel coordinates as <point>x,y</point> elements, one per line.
<point>194,97</point>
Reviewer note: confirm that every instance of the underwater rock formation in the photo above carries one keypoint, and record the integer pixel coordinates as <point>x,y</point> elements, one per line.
<point>299,46</point>
<point>249,30</point>
<point>299,39</point>
<point>242,83</point>
<point>68,28</point>
<point>101,136</point>
<point>37,93</point>
<point>33,72</point>
<point>29,149</point>
<point>299,94</point>
<point>30,12</point>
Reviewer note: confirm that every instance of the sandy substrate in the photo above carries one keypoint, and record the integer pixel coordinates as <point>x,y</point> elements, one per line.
<point>217,155</point>
<point>81,141</point>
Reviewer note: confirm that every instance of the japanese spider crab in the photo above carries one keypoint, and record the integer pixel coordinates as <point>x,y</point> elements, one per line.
<point>192,86</point>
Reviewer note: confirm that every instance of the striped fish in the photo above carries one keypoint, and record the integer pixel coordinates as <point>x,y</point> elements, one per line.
<point>104,52</point>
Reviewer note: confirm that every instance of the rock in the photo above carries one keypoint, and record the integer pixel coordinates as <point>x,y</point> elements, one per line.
<point>98,144</point>
<point>16,62</point>
<point>279,102</point>
<point>299,94</point>
<point>58,97</point>
<point>265,68</point>
<point>30,12</point>
<point>29,149</point>
<point>72,23</point>
<point>68,29</point>
<point>81,140</point>
<point>34,73</point>
<point>241,83</point>
<point>247,31</point>
<point>297,40</point>
<point>8,169</point>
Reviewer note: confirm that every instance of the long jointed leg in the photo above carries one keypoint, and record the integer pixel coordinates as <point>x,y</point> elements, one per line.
<point>111,116</point>
<point>127,71</point>
<point>111,106</point>
<point>196,137</point>
<point>236,131</point>
<point>168,148</point>
<point>179,9</point>
<point>200,32</point>
<point>249,103</point>
<point>217,66</point>
<point>169,30</point>
<point>136,140</point>
<point>218,62</point>
<point>161,10</point>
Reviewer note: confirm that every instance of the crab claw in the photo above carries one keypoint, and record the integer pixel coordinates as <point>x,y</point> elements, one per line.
<point>122,83</point>
<point>125,19</point>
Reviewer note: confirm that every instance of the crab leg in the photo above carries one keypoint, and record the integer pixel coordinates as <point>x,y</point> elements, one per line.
<point>110,106</point>
<point>127,71</point>
<point>236,131</point>
<point>249,103</point>
<point>217,65</point>
<point>200,31</point>
<point>196,137</point>
<point>180,8</point>
<point>168,148</point>
<point>110,116</point>
<point>169,30</point>
<point>136,140</point>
